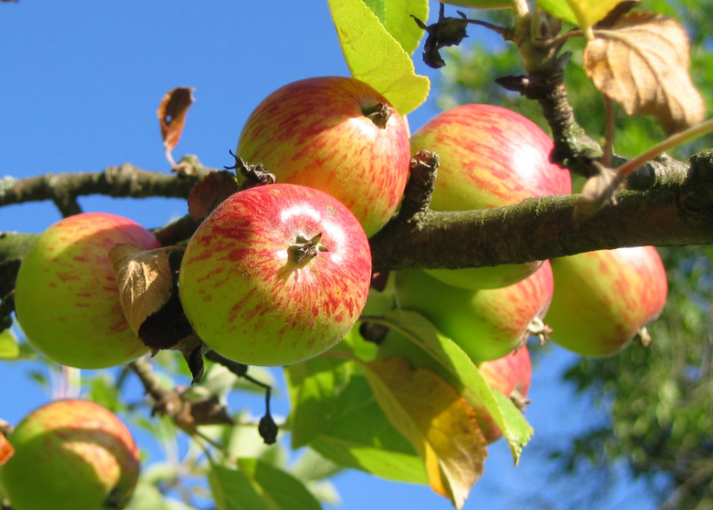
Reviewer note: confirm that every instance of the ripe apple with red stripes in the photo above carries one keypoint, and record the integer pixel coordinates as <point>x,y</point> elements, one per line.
<point>275,275</point>
<point>338,135</point>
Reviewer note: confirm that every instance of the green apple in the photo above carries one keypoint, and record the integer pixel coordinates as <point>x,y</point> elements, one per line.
<point>66,295</point>
<point>275,275</point>
<point>489,157</point>
<point>487,324</point>
<point>602,298</point>
<point>70,455</point>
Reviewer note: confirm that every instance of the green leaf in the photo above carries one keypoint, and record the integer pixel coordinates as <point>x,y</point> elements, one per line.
<point>8,345</point>
<point>375,57</point>
<point>395,15</point>
<point>148,497</point>
<point>559,9</point>
<point>335,412</point>
<point>458,368</point>
<point>256,485</point>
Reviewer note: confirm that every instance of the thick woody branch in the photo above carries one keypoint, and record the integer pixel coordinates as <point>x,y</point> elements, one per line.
<point>115,181</point>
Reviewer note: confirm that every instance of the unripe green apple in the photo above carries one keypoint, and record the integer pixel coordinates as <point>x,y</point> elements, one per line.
<point>486,324</point>
<point>338,135</point>
<point>602,298</point>
<point>489,157</point>
<point>70,455</point>
<point>66,295</point>
<point>275,275</point>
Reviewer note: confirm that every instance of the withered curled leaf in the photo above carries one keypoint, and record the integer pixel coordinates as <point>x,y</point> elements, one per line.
<point>172,115</point>
<point>144,278</point>
<point>642,62</point>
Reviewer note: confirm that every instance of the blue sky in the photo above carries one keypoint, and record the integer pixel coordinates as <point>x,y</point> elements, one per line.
<point>80,84</point>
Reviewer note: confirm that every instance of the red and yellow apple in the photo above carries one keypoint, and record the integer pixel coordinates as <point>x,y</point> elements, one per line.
<point>275,275</point>
<point>66,295</point>
<point>487,324</point>
<point>602,298</point>
<point>338,135</point>
<point>70,455</point>
<point>489,157</point>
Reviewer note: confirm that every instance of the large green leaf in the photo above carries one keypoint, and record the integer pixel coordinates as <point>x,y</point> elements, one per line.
<point>375,56</point>
<point>335,412</point>
<point>395,15</point>
<point>462,372</point>
<point>233,490</point>
<point>583,13</point>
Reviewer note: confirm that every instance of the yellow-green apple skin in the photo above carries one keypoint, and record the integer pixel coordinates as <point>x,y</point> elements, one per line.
<point>70,455</point>
<point>251,299</point>
<point>66,295</point>
<point>602,298</point>
<point>489,157</point>
<point>487,324</point>
<point>317,132</point>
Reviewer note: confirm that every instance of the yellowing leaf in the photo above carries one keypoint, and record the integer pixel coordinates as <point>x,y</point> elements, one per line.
<point>375,57</point>
<point>642,63</point>
<point>6,449</point>
<point>172,115</point>
<point>436,419</point>
<point>144,279</point>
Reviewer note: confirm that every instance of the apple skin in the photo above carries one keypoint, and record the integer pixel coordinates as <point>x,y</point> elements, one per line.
<point>487,324</point>
<point>602,298</point>
<point>71,454</point>
<point>489,157</point>
<point>250,301</point>
<point>66,295</point>
<point>315,132</point>
<point>506,375</point>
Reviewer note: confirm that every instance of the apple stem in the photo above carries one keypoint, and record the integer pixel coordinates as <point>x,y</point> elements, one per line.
<point>304,249</point>
<point>379,114</point>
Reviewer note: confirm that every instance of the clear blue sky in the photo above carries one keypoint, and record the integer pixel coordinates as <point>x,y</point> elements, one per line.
<point>80,83</point>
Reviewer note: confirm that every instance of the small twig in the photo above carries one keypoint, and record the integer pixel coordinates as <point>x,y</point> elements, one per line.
<point>609,132</point>
<point>7,306</point>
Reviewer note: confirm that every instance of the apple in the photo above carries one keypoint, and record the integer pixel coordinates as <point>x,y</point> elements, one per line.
<point>338,135</point>
<point>487,324</point>
<point>509,375</point>
<point>489,157</point>
<point>602,298</point>
<point>69,455</point>
<point>275,275</point>
<point>66,295</point>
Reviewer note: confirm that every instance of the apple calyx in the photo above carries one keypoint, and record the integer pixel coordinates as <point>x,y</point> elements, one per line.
<point>520,400</point>
<point>305,248</point>
<point>378,113</point>
<point>539,329</point>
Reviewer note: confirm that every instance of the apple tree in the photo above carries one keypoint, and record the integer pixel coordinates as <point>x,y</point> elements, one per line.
<point>419,382</point>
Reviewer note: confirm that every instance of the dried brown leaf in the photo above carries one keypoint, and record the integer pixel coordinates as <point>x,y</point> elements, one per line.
<point>144,279</point>
<point>438,422</point>
<point>172,115</point>
<point>642,62</point>
<point>210,192</point>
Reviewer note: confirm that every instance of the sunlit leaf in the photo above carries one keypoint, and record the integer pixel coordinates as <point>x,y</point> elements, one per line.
<point>257,485</point>
<point>437,420</point>
<point>8,345</point>
<point>375,57</point>
<point>642,62</point>
<point>144,279</point>
<point>455,365</point>
<point>395,15</point>
<point>559,9</point>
